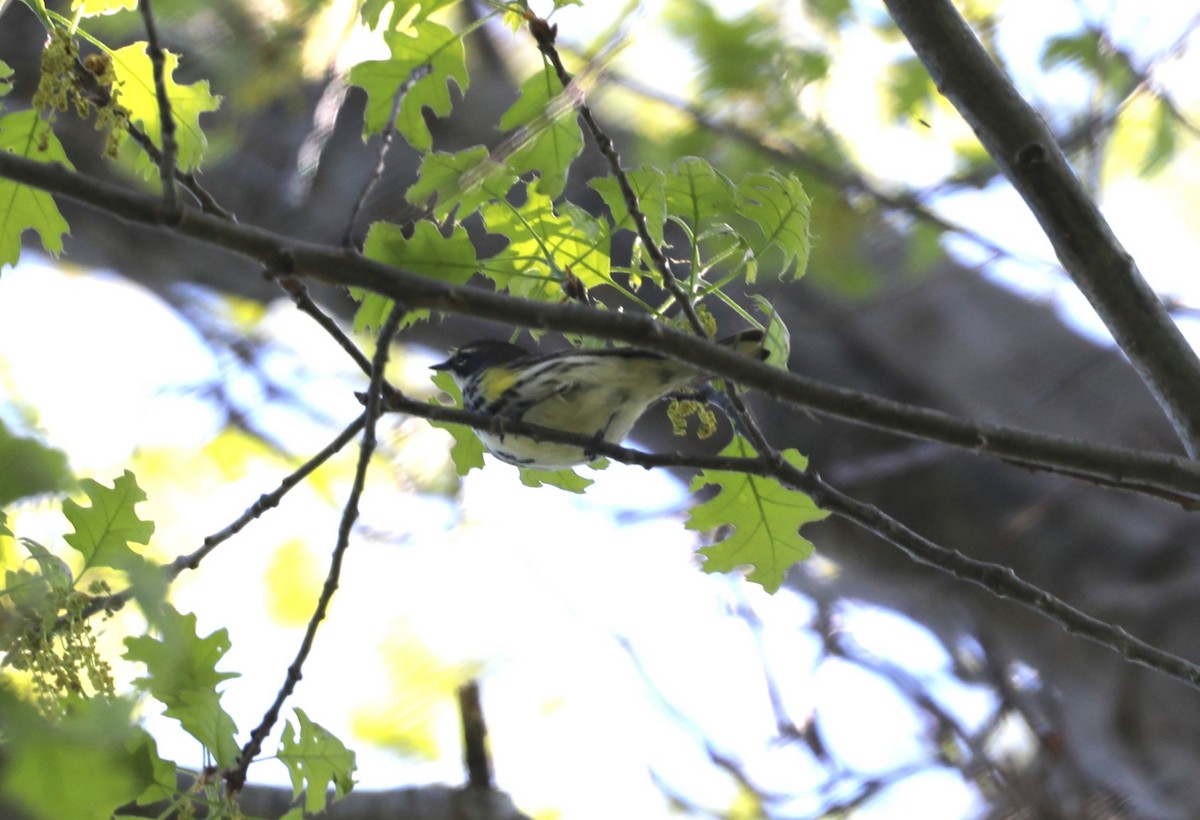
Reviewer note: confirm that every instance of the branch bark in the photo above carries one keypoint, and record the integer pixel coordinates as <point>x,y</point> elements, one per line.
<point>1158,474</point>
<point>1025,150</point>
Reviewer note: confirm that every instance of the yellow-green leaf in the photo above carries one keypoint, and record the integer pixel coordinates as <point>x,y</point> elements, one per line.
<point>465,180</point>
<point>22,208</point>
<point>447,258</point>
<point>105,529</point>
<point>315,759</point>
<point>544,245</point>
<point>182,675</point>
<point>95,8</point>
<point>135,79</point>
<point>549,133</point>
<point>779,207</point>
<point>431,45</point>
<point>765,516</point>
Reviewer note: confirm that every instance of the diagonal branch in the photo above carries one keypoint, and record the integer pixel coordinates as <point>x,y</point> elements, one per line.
<point>235,777</point>
<point>1121,467</point>
<point>1025,150</point>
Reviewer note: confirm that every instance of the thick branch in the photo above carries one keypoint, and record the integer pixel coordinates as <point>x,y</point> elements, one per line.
<point>1025,150</point>
<point>1120,467</point>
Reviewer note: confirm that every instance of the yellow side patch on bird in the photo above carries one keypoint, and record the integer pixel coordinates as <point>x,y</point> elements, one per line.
<point>496,380</point>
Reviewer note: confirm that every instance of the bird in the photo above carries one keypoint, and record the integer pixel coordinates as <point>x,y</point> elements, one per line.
<point>599,393</point>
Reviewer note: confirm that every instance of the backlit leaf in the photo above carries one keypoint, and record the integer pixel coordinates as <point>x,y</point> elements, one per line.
<point>779,207</point>
<point>22,208</point>
<point>135,79</point>
<point>105,529</point>
<point>765,518</point>
<point>465,180</point>
<point>430,45</point>
<point>543,246</point>
<point>182,675</point>
<point>315,760</point>
<point>552,139</point>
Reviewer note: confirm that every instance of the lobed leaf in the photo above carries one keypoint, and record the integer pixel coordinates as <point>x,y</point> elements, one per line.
<point>430,45</point>
<point>104,530</point>
<point>543,246</point>
<point>765,516</point>
<point>565,479</point>
<point>648,186</point>
<point>449,259</point>
<point>182,675</point>
<point>315,759</point>
<point>467,450</point>
<point>22,208</point>
<point>698,194</point>
<point>465,180</point>
<point>549,137</point>
<point>135,80</point>
<point>779,207</point>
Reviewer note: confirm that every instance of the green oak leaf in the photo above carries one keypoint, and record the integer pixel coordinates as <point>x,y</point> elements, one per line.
<point>549,137</point>
<point>372,10</point>
<point>565,479</point>
<point>104,531</point>
<point>96,742</point>
<point>95,8</point>
<point>778,339</point>
<point>6,73</point>
<point>22,208</point>
<point>699,195</point>
<point>30,468</point>
<point>779,207</point>
<point>315,759</point>
<point>544,245</point>
<point>55,571</point>
<point>135,79</point>
<point>467,450</point>
<point>182,675</point>
<point>765,516</point>
<point>448,259</point>
<point>647,184</point>
<point>465,180</point>
<point>434,46</point>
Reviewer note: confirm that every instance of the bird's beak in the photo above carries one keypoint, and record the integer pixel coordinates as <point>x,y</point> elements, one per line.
<point>441,365</point>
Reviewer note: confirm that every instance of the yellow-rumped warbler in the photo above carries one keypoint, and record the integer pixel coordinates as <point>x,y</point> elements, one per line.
<point>598,393</point>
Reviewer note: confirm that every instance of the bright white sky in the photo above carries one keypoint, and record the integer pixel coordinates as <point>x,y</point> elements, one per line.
<point>540,587</point>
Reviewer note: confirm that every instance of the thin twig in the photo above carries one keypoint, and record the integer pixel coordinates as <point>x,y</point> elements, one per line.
<point>544,34</point>
<point>166,163</point>
<point>235,778</point>
<point>999,580</point>
<point>267,501</point>
<point>389,135</point>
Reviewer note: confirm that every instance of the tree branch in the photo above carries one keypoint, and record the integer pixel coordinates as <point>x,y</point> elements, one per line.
<point>999,580</point>
<point>1024,149</point>
<point>166,161</point>
<point>235,777</point>
<point>1154,473</point>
